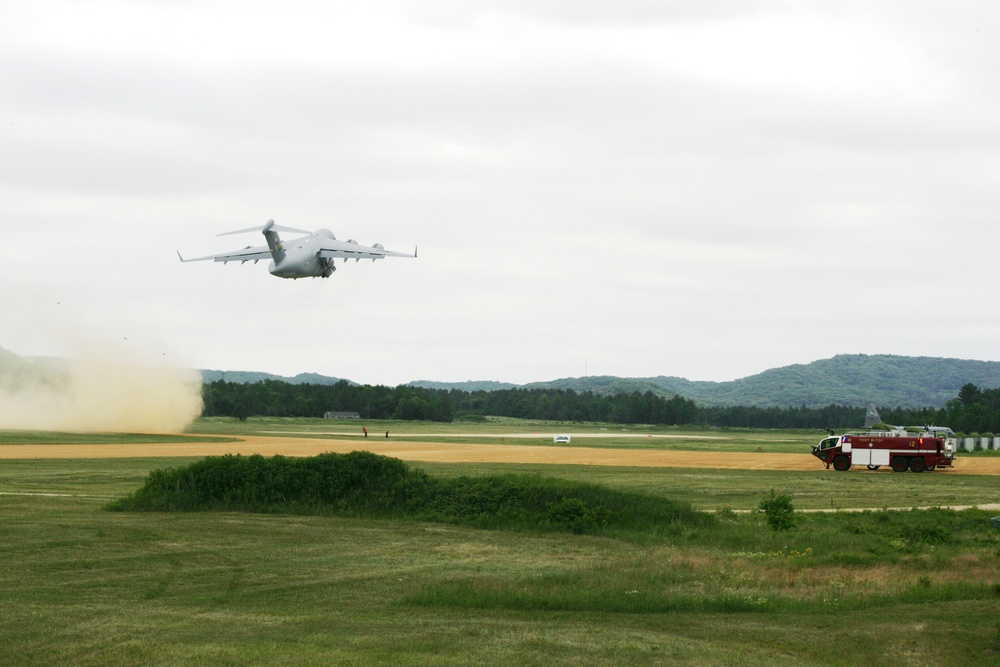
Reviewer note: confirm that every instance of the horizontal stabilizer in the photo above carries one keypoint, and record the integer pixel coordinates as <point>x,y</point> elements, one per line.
<point>267,226</point>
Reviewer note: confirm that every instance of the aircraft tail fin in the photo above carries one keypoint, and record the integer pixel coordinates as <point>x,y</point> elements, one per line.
<point>273,241</point>
<point>872,418</point>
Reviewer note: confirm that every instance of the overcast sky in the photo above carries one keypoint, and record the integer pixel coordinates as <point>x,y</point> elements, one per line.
<point>633,188</point>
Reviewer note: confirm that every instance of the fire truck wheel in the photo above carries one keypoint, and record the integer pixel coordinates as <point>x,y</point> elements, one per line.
<point>917,464</point>
<point>871,467</point>
<point>900,464</point>
<point>841,463</point>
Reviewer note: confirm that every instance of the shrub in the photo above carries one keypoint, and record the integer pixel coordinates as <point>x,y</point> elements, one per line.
<point>359,482</point>
<point>778,510</point>
<point>362,484</point>
<point>574,514</point>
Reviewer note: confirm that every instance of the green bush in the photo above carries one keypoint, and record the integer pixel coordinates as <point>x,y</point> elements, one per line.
<point>574,514</point>
<point>358,482</point>
<point>778,510</point>
<point>362,484</point>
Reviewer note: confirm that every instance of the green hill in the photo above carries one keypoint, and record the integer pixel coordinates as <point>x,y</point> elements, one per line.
<point>846,379</point>
<point>470,385</point>
<point>249,377</point>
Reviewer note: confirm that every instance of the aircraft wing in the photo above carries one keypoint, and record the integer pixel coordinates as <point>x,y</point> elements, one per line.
<point>334,249</point>
<point>254,253</point>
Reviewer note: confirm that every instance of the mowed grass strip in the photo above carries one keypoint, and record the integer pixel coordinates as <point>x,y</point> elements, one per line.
<point>716,489</point>
<point>705,489</point>
<point>101,479</point>
<point>523,432</point>
<point>20,437</point>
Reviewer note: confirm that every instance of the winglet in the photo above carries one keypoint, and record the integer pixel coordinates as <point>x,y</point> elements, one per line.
<point>193,259</point>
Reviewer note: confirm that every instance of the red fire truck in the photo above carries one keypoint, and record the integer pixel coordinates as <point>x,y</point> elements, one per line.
<point>898,449</point>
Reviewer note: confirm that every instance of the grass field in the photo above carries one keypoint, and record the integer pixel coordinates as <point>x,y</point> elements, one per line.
<point>528,432</point>
<point>84,586</point>
<point>8,437</point>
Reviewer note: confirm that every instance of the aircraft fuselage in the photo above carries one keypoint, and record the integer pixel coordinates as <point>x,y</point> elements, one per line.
<point>299,258</point>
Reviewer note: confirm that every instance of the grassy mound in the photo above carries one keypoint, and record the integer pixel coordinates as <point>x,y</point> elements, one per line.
<point>361,484</point>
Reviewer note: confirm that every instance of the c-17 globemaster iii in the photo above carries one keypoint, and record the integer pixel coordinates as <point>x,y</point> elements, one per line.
<point>311,256</point>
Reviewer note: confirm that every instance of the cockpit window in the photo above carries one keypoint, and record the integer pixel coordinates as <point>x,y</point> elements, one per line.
<point>829,442</point>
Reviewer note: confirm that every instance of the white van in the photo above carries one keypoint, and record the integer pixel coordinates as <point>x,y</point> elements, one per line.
<point>561,439</point>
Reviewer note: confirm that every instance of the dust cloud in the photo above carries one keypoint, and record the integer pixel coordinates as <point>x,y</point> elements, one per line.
<point>98,389</point>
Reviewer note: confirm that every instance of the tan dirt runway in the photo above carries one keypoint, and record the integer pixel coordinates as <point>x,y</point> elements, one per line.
<point>443,452</point>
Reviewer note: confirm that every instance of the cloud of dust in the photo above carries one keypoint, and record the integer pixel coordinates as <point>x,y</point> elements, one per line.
<point>99,389</point>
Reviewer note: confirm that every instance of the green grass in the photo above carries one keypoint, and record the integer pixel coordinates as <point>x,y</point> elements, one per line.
<point>100,479</point>
<point>88,587</point>
<point>84,586</point>
<point>987,453</point>
<point>713,489</point>
<point>12,437</point>
<point>524,432</point>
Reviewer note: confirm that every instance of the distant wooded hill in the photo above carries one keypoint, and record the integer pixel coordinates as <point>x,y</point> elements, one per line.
<point>249,377</point>
<point>846,379</point>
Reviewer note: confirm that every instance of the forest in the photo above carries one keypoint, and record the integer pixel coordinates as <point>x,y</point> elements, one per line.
<point>972,411</point>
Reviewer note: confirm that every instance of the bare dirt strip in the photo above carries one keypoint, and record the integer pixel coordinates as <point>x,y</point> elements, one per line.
<point>443,452</point>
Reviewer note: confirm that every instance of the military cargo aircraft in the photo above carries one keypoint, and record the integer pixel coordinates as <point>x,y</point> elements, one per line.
<point>311,256</point>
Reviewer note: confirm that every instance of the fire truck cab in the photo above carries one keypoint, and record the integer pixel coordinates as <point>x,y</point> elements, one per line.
<point>898,449</point>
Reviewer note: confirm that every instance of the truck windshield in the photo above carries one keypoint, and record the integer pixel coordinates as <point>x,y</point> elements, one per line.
<point>829,442</point>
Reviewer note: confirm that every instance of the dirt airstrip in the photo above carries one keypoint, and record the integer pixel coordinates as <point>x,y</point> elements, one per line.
<point>445,452</point>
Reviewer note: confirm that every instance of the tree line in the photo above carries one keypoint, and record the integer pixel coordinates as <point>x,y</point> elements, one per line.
<point>974,410</point>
